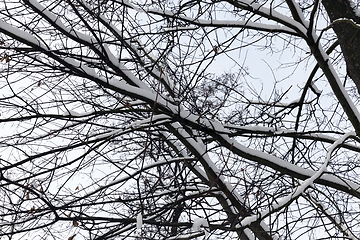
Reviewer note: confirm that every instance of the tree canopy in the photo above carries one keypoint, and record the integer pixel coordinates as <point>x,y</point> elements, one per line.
<point>213,119</point>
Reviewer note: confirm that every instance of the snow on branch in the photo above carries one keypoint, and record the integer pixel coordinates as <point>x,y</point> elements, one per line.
<point>188,236</point>
<point>20,35</point>
<point>99,47</point>
<point>271,14</point>
<point>287,167</point>
<point>299,189</point>
<point>226,23</point>
<point>144,93</point>
<point>214,174</point>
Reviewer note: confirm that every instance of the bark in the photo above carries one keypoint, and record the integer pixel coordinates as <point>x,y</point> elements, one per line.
<point>348,35</point>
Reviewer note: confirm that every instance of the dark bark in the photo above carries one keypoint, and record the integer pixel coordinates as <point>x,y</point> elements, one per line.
<point>348,35</point>
<point>175,219</point>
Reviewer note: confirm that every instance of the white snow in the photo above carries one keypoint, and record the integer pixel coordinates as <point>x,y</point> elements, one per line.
<point>139,221</point>
<point>301,188</point>
<point>187,28</point>
<point>339,223</point>
<point>89,71</point>
<point>54,18</point>
<point>92,41</point>
<point>57,21</point>
<point>300,14</point>
<point>20,35</point>
<point>72,113</point>
<point>188,236</point>
<point>340,85</point>
<point>199,223</point>
<point>354,7</point>
<point>145,93</point>
<point>346,20</point>
<point>315,88</point>
<point>240,23</point>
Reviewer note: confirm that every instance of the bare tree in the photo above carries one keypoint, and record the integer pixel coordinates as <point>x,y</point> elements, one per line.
<point>141,119</point>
